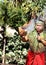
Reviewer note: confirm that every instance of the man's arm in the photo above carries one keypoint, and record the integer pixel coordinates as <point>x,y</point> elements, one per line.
<point>24,38</point>
<point>42,40</point>
<point>22,32</point>
<point>23,35</point>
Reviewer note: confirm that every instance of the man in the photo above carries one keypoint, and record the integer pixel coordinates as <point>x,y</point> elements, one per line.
<point>37,41</point>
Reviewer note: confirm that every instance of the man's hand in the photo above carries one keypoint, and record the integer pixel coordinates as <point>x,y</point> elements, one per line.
<point>22,32</point>
<point>42,40</point>
<point>39,38</point>
<point>24,38</point>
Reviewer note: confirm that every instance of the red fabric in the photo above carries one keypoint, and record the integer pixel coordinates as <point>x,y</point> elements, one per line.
<point>35,58</point>
<point>45,57</point>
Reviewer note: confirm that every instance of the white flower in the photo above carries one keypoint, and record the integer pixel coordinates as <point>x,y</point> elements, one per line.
<point>21,61</point>
<point>19,51</point>
<point>10,32</point>
<point>11,53</point>
<point>1,29</point>
<point>24,52</point>
<point>1,36</point>
<point>0,53</point>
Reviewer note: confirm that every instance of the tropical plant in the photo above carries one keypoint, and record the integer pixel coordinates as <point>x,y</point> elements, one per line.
<point>14,13</point>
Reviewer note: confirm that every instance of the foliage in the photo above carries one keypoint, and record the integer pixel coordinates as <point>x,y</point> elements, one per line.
<point>15,13</point>
<point>16,50</point>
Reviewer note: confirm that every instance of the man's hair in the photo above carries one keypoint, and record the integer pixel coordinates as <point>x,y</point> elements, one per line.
<point>40,22</point>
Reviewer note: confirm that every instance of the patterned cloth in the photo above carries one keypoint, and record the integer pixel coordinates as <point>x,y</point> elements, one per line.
<point>35,45</point>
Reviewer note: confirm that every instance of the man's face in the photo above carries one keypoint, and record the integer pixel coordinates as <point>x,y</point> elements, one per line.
<point>39,27</point>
